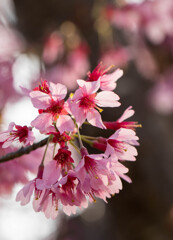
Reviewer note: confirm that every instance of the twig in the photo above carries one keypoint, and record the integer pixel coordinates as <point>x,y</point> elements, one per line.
<point>23,151</point>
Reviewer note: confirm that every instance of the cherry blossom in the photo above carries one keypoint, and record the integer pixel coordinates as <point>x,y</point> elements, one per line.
<point>68,176</point>
<point>107,81</point>
<point>120,144</point>
<point>86,101</point>
<point>22,134</point>
<point>52,109</point>
<point>120,123</point>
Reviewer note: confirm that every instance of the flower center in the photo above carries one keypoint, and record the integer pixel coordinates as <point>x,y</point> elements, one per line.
<point>94,76</point>
<point>21,133</point>
<point>55,108</point>
<point>43,87</point>
<point>87,102</point>
<point>63,157</point>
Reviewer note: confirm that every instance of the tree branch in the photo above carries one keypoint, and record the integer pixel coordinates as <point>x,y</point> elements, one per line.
<point>22,151</point>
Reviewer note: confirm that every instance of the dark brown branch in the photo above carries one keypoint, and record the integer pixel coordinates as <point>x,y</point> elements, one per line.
<point>23,150</point>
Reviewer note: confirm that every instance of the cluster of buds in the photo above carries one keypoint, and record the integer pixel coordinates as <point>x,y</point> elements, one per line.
<point>65,181</point>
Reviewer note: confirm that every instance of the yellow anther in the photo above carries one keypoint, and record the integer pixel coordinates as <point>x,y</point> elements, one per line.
<point>100,109</point>
<point>71,95</point>
<point>109,68</point>
<point>139,125</point>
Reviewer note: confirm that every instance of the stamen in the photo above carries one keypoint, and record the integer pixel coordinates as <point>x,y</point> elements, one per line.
<point>94,200</point>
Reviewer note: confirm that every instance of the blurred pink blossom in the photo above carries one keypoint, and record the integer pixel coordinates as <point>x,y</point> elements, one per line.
<point>119,57</point>
<point>76,66</point>
<point>53,48</point>
<point>152,18</point>
<point>15,171</point>
<point>161,95</point>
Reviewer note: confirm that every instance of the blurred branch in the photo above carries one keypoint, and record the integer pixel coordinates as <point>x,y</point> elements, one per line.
<point>22,151</point>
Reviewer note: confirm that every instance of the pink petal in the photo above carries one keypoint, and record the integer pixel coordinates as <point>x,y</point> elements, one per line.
<point>127,113</point>
<point>24,195</point>
<point>58,91</point>
<point>129,154</point>
<point>125,135</point>
<point>7,144</point>
<point>65,123</point>
<point>51,173</point>
<point>39,99</point>
<point>40,184</point>
<point>78,113</point>
<point>30,138</point>
<point>77,95</point>
<point>42,122</point>
<point>107,99</point>
<point>27,188</point>
<point>10,126</point>
<point>94,118</point>
<point>88,87</point>
<point>80,171</point>
<point>4,136</point>
<point>110,151</point>
<point>69,210</point>
<point>107,81</point>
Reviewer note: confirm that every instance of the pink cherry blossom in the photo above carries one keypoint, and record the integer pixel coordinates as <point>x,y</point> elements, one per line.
<point>160,97</point>
<point>86,100</point>
<point>107,81</point>
<point>100,175</point>
<point>24,195</point>
<point>52,108</point>
<point>119,171</point>
<point>53,48</point>
<point>120,56</point>
<point>61,181</point>
<point>22,134</point>
<point>7,91</point>
<point>120,144</point>
<point>62,139</point>
<point>57,190</point>
<point>16,171</point>
<point>73,68</point>
<point>69,190</point>
<point>152,18</point>
<point>41,186</point>
<point>64,159</point>
<point>120,123</point>
<point>94,175</point>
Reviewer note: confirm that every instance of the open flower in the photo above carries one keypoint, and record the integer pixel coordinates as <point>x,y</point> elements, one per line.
<point>86,101</point>
<point>107,81</point>
<point>95,175</point>
<point>120,145</point>
<point>52,108</point>
<point>22,134</point>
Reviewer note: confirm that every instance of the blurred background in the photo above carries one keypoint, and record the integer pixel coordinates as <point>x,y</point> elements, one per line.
<point>61,41</point>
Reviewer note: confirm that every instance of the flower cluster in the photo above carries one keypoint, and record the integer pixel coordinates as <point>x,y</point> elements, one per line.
<point>66,181</point>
